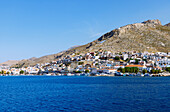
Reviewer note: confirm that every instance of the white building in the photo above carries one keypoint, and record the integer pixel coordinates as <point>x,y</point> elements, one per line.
<point>163,62</point>
<point>125,56</point>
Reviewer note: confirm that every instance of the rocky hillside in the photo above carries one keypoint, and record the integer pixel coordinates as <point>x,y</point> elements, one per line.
<point>149,35</point>
<point>167,25</point>
<point>9,62</point>
<point>146,36</point>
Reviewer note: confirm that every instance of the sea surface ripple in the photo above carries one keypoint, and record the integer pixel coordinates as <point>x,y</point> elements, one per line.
<point>84,94</point>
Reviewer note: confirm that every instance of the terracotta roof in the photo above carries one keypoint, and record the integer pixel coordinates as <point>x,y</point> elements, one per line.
<point>134,66</point>
<point>111,69</point>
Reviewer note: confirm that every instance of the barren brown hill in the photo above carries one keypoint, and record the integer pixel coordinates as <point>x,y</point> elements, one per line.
<point>149,35</point>
<point>9,62</point>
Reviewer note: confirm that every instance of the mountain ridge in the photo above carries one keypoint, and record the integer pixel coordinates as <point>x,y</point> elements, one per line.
<point>9,62</point>
<point>149,36</point>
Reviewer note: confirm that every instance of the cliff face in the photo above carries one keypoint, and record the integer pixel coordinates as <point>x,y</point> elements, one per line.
<point>149,35</point>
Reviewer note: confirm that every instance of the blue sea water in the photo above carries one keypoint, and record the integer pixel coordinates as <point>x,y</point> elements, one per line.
<point>84,94</point>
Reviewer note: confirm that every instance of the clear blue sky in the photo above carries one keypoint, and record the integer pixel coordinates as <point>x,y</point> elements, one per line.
<point>34,28</point>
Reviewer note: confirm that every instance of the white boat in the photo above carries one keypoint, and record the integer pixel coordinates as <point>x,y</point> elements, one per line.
<point>70,74</point>
<point>47,74</point>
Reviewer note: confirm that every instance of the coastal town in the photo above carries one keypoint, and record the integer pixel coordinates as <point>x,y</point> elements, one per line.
<point>98,63</point>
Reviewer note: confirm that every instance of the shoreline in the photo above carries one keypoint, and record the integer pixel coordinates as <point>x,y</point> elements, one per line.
<point>76,76</point>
